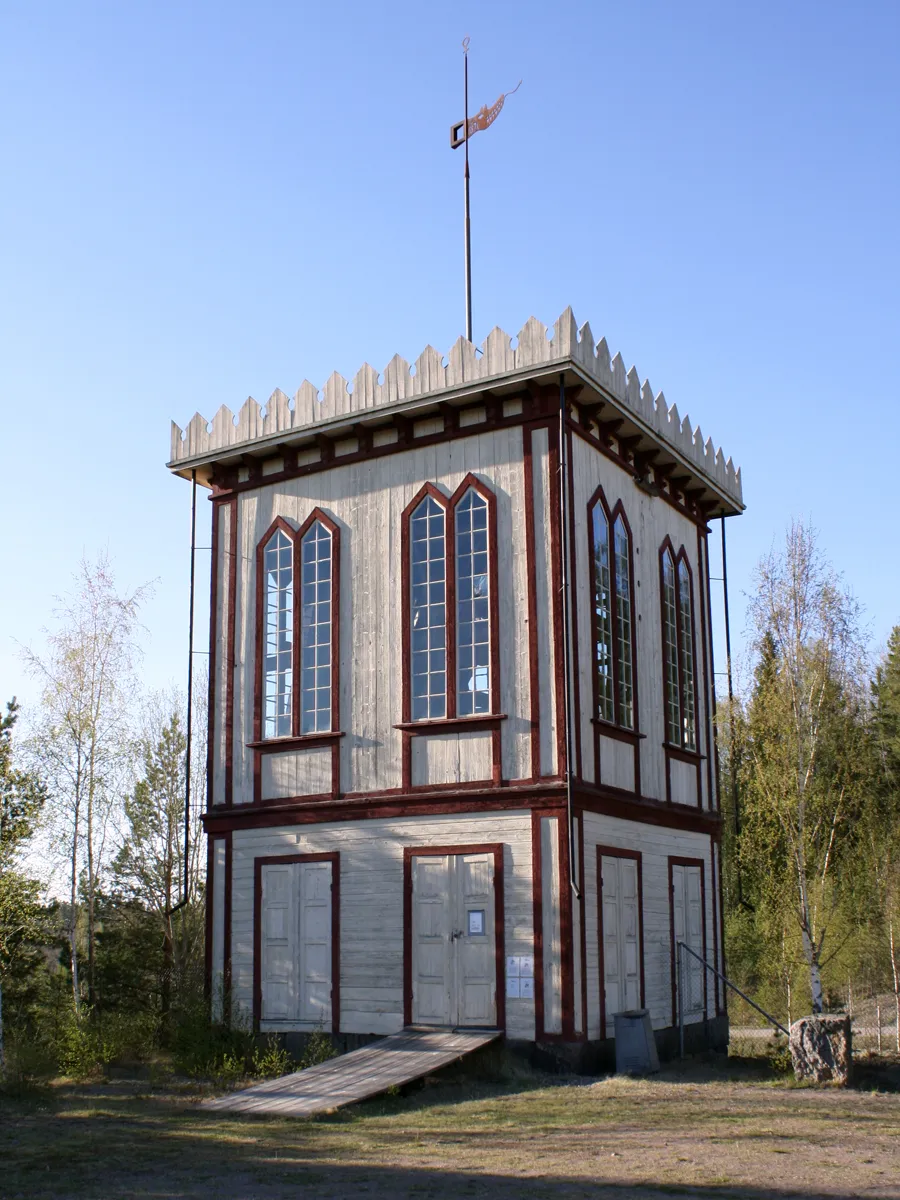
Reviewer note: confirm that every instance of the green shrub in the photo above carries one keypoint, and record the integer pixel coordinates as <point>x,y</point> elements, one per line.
<point>319,1048</point>
<point>271,1059</point>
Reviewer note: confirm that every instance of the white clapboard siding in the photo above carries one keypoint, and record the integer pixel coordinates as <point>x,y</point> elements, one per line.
<point>217,949</point>
<point>616,763</point>
<point>656,844</point>
<point>651,520</point>
<point>683,781</point>
<point>304,772</point>
<point>367,500</point>
<point>543,582</point>
<point>452,757</point>
<point>551,916</point>
<point>371,898</point>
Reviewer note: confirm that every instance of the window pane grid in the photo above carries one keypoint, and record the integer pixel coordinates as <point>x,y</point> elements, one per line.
<point>428,606</point>
<point>670,638</point>
<point>687,655</point>
<point>473,641</point>
<point>279,634</point>
<point>603,650</point>
<point>315,630</point>
<point>623,626</point>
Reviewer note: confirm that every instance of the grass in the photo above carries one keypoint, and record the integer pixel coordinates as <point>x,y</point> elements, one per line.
<point>705,1132</point>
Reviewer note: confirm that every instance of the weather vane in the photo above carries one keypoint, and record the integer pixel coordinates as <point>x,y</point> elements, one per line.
<point>460,133</point>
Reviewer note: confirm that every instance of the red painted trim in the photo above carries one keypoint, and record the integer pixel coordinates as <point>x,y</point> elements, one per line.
<point>211,705</point>
<point>226,933</point>
<point>708,698</point>
<point>411,852</point>
<point>538,910</point>
<point>531,559</point>
<point>334,529</point>
<point>230,653</point>
<point>618,852</point>
<point>621,461</point>
<point>676,861</point>
<point>227,483</point>
<point>678,751</point>
<point>284,860</point>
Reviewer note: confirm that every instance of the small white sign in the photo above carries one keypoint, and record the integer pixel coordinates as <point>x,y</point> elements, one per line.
<point>476,922</point>
<point>512,987</point>
<point>526,989</point>
<point>526,967</point>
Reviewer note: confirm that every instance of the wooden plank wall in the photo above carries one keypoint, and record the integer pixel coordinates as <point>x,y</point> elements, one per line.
<point>217,949</point>
<point>367,501</point>
<point>655,844</point>
<point>371,918</point>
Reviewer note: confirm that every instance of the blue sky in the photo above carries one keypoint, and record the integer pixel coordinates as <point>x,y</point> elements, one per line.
<point>205,201</point>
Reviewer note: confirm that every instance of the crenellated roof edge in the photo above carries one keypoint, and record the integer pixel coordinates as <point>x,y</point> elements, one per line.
<point>465,366</point>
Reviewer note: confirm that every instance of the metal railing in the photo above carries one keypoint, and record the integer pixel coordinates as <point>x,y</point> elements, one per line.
<point>681,976</point>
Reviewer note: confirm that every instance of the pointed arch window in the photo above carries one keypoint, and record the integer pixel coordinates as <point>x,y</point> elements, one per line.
<point>678,648</point>
<point>450,604</point>
<point>612,610</point>
<point>298,646</point>
<point>278,665</point>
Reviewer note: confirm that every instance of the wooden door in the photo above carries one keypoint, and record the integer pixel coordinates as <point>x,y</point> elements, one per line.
<point>620,924</point>
<point>454,971</point>
<point>687,927</point>
<point>295,943</point>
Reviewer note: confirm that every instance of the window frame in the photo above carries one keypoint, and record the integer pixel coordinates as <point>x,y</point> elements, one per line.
<point>612,515</point>
<point>678,558</point>
<point>295,536</point>
<point>449,505</point>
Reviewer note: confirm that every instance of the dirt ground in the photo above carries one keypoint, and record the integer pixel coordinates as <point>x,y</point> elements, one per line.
<point>701,1133</point>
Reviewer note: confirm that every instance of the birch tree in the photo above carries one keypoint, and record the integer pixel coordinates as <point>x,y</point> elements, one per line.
<point>149,867</point>
<point>806,743</point>
<point>82,742</point>
<point>884,822</point>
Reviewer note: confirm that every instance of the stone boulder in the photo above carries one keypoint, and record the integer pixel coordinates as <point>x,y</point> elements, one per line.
<point>821,1049</point>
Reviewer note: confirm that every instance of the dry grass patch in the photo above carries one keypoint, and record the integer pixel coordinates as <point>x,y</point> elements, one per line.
<point>691,1135</point>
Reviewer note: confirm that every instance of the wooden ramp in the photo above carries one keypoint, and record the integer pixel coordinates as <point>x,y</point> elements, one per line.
<point>390,1062</point>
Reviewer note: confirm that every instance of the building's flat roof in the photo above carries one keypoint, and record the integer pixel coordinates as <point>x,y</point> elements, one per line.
<point>498,367</point>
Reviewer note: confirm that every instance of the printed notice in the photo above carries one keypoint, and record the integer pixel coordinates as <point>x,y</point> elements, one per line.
<point>520,977</point>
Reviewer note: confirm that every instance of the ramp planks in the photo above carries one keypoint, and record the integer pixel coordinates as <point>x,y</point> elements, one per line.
<point>390,1062</point>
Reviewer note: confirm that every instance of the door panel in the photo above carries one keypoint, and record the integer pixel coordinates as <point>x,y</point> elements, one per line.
<point>454,940</point>
<point>687,925</point>
<point>476,952</point>
<point>431,941</point>
<point>620,915</point>
<point>295,943</point>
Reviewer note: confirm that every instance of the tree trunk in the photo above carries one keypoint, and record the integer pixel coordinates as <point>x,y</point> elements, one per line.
<point>73,917</point>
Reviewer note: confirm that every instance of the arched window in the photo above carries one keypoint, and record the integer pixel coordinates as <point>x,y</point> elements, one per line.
<point>297,629</point>
<point>473,629</point>
<point>428,584</point>
<point>612,614</point>
<point>678,649</point>
<point>315,629</point>
<point>451,604</point>
<point>278,666</point>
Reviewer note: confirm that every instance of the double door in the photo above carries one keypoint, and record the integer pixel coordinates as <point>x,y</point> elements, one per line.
<point>688,928</point>
<point>295,943</point>
<point>454,940</point>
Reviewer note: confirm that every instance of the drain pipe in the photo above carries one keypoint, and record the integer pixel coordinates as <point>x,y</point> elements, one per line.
<point>574,881</point>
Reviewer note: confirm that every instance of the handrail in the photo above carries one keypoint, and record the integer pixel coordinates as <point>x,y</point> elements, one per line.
<point>734,987</point>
